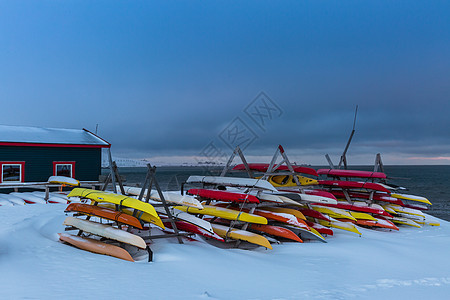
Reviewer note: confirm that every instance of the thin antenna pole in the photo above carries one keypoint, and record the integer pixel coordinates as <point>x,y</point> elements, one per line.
<point>344,154</point>
<point>354,120</point>
<point>96,128</point>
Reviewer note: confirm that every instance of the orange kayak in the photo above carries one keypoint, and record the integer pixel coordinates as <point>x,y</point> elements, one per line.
<point>291,211</point>
<point>276,231</point>
<point>381,223</point>
<point>95,246</point>
<point>274,216</point>
<point>105,213</point>
<point>282,217</point>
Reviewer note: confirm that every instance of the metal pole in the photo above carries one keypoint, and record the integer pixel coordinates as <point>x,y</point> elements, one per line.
<point>163,200</point>
<point>230,160</point>
<point>343,156</point>
<point>330,163</point>
<point>113,180</point>
<point>119,180</point>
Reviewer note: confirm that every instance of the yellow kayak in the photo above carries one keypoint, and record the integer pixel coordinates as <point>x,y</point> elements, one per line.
<point>142,215</point>
<point>339,225</point>
<point>361,216</point>
<point>405,221</point>
<point>389,209</point>
<point>411,198</point>
<point>224,213</point>
<point>425,222</point>
<point>243,235</point>
<point>333,212</point>
<point>315,232</point>
<point>100,196</point>
<point>405,210</point>
<point>291,211</point>
<point>288,180</point>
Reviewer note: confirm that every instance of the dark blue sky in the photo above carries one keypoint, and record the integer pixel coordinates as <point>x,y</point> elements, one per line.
<point>167,78</point>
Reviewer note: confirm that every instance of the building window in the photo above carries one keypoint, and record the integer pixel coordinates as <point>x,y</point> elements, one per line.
<point>12,171</point>
<point>64,168</point>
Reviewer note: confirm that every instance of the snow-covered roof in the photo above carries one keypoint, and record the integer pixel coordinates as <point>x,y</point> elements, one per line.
<point>38,135</point>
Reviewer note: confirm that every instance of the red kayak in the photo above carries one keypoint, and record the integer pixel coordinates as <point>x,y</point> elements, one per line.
<point>365,209</point>
<point>260,167</point>
<point>320,229</point>
<point>281,217</point>
<point>376,197</point>
<point>314,214</point>
<point>354,185</point>
<point>416,206</point>
<point>351,173</point>
<point>314,192</point>
<point>188,227</point>
<point>276,231</point>
<point>223,195</point>
<point>320,193</point>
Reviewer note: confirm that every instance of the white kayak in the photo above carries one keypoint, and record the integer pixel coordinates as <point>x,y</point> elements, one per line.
<point>63,196</point>
<point>262,196</point>
<point>51,197</point>
<point>406,210</point>
<point>172,197</point>
<point>29,198</point>
<point>63,180</point>
<point>14,199</point>
<point>106,231</point>
<point>5,202</point>
<point>183,216</point>
<point>307,198</point>
<point>233,181</point>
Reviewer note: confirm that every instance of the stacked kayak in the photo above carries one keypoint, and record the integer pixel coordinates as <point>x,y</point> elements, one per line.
<point>40,197</point>
<point>370,194</point>
<point>254,212</point>
<point>293,204</point>
<point>112,223</point>
<point>104,230</point>
<point>281,176</point>
<point>362,198</point>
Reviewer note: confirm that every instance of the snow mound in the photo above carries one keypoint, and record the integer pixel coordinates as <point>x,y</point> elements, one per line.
<point>407,264</point>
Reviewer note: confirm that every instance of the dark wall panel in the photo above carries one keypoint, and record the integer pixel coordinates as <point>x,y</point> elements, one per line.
<point>39,160</point>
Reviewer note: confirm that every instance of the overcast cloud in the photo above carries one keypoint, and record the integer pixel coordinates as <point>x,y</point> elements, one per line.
<point>166,78</point>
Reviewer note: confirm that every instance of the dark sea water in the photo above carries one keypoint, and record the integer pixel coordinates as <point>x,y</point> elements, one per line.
<point>432,182</point>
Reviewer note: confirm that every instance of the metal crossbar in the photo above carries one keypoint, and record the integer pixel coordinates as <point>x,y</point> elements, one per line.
<point>150,180</point>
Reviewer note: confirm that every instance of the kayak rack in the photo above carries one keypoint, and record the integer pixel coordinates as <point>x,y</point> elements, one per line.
<point>150,181</point>
<point>343,159</point>
<point>238,151</point>
<point>271,170</point>
<point>113,177</point>
<point>273,166</point>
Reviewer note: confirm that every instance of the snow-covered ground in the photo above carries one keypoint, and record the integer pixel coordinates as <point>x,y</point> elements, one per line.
<point>409,264</point>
